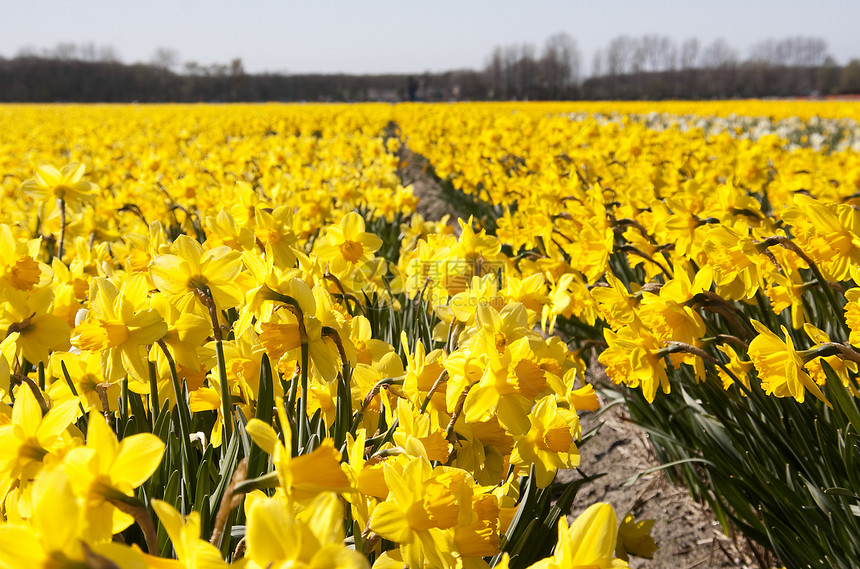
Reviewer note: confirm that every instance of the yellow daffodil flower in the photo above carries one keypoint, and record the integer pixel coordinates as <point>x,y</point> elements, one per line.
<point>182,274</point>
<point>66,184</point>
<point>779,365</point>
<point>347,244</point>
<point>106,469</point>
<point>117,329</point>
<point>589,542</point>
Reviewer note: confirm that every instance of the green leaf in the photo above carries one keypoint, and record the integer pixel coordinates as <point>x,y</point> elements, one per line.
<point>633,479</point>
<point>171,496</point>
<point>257,458</point>
<point>228,465</point>
<point>839,394</point>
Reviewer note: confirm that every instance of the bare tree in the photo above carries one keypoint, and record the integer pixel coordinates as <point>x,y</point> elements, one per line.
<point>526,70</point>
<point>88,52</point>
<point>667,54</point>
<point>810,51</point>
<point>849,82</point>
<point>107,54</point>
<point>64,51</point>
<point>166,58</point>
<point>638,57</point>
<point>510,57</point>
<point>649,49</point>
<point>719,54</point>
<point>495,73</point>
<point>654,53</point>
<point>689,55</point>
<point>27,51</point>
<point>193,68</point>
<point>559,64</point>
<point>791,51</point>
<point>619,54</point>
<point>764,52</point>
<point>236,67</point>
<point>827,76</point>
<point>597,63</point>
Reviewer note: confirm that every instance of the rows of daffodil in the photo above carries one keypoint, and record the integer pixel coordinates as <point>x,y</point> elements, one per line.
<point>229,339</point>
<point>700,222</point>
<point>819,133</point>
<point>691,248</point>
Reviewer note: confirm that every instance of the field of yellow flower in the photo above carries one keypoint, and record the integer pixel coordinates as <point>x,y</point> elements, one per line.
<point>231,339</point>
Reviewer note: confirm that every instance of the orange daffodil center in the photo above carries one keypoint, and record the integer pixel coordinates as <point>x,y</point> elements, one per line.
<point>24,273</point>
<point>347,244</point>
<point>96,334</point>
<point>352,251</point>
<point>118,329</point>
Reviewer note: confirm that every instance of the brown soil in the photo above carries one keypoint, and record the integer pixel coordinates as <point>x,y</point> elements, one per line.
<point>430,204</point>
<point>686,532</point>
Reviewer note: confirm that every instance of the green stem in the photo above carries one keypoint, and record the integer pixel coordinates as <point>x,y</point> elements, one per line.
<point>264,482</point>
<point>123,387</point>
<point>226,405</point>
<point>184,418</point>
<point>344,398</point>
<point>61,202</point>
<point>293,306</point>
<point>442,377</point>
<point>303,396</point>
<point>72,388</point>
<point>19,378</point>
<point>382,383</point>
<point>380,440</point>
<point>458,410</point>
<point>205,297</point>
<point>294,390</point>
<point>153,393</point>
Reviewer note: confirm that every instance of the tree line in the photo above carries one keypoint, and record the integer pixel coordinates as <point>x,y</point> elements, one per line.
<point>646,67</point>
<point>658,67</point>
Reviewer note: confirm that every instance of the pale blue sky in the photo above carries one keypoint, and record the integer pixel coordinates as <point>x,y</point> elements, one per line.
<point>375,36</point>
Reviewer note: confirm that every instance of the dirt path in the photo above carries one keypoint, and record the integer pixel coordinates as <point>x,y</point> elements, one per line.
<point>686,533</point>
<point>431,206</point>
